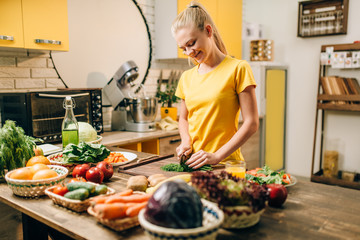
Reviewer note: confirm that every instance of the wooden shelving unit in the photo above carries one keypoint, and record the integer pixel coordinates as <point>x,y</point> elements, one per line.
<point>322,18</point>
<point>330,102</point>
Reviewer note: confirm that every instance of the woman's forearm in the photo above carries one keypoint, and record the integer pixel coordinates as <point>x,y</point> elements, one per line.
<point>184,131</point>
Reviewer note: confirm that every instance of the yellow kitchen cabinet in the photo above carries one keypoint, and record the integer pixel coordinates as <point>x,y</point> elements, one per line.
<point>11,34</point>
<point>227,15</point>
<point>34,24</point>
<point>160,146</point>
<point>149,146</point>
<point>275,118</point>
<point>271,80</point>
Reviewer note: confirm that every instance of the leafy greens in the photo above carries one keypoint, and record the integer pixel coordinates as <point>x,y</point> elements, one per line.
<point>227,190</point>
<point>15,147</point>
<point>85,153</point>
<point>266,176</point>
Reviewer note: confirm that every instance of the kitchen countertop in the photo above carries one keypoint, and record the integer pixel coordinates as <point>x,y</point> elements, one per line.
<point>116,138</point>
<point>311,211</point>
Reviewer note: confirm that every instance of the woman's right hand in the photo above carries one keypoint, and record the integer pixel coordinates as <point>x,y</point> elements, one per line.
<point>183,149</point>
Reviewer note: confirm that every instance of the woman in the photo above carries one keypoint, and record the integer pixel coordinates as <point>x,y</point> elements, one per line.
<point>212,93</point>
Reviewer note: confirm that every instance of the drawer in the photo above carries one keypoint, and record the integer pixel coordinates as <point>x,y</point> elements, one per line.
<point>168,144</point>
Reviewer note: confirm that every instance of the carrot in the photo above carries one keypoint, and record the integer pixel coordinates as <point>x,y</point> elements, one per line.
<point>137,198</point>
<point>103,198</point>
<point>126,192</point>
<point>99,199</point>
<point>115,158</point>
<point>135,209</point>
<point>287,181</point>
<point>111,211</point>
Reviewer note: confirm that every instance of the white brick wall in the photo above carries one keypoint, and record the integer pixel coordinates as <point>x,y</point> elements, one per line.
<point>29,83</point>
<point>7,83</point>
<point>31,62</point>
<point>22,69</point>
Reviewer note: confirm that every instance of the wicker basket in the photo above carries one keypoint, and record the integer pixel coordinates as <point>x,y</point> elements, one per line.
<point>117,224</point>
<point>35,188</point>
<point>74,205</point>
<point>57,159</point>
<point>212,220</point>
<point>120,224</point>
<point>238,217</point>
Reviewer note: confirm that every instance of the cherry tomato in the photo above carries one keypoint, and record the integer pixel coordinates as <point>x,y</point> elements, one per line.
<point>60,190</point>
<point>286,176</point>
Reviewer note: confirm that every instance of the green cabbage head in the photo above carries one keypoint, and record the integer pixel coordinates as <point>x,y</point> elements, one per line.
<point>86,132</point>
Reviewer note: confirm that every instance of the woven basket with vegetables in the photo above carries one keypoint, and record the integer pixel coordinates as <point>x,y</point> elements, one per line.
<point>242,202</point>
<point>35,188</point>
<point>77,195</point>
<point>120,210</point>
<point>15,147</point>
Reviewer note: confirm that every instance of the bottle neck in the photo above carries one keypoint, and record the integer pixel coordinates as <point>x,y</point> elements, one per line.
<point>69,112</point>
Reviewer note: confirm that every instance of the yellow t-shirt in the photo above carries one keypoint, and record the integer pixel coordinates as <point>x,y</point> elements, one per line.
<point>213,105</point>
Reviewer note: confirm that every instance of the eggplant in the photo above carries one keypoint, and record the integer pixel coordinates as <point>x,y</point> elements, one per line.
<point>175,204</point>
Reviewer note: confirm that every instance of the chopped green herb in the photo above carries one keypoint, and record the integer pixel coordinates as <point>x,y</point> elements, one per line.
<point>175,167</point>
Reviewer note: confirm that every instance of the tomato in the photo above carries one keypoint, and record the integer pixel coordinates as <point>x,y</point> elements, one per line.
<point>286,176</point>
<point>80,170</point>
<point>107,169</point>
<point>77,179</point>
<point>60,190</point>
<point>95,175</point>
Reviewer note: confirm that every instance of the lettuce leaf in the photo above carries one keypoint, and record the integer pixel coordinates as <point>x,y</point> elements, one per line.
<point>85,153</point>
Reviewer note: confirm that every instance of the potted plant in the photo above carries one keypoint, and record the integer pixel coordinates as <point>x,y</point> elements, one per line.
<point>166,95</point>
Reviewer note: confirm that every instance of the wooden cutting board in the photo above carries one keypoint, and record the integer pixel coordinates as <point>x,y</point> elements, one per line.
<point>154,168</point>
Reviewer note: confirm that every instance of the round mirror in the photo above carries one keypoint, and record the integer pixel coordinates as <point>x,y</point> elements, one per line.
<point>103,34</point>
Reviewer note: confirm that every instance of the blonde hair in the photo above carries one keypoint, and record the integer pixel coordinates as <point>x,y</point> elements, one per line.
<point>195,14</point>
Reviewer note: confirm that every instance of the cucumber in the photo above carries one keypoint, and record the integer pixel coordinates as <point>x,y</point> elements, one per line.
<point>101,189</point>
<point>77,194</point>
<point>76,185</point>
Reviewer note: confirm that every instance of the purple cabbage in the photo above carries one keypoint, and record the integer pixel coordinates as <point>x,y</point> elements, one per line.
<point>175,204</point>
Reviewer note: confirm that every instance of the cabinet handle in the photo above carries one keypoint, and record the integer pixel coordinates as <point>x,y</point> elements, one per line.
<point>8,38</point>
<point>61,96</point>
<point>174,141</point>
<point>55,42</point>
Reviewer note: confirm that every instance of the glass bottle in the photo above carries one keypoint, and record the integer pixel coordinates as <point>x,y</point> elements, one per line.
<point>70,127</point>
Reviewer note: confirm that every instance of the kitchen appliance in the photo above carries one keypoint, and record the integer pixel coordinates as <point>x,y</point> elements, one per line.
<point>133,111</point>
<point>41,114</point>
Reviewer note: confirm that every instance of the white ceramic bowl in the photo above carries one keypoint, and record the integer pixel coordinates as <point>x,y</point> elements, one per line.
<point>213,218</point>
<point>57,159</point>
<point>35,188</point>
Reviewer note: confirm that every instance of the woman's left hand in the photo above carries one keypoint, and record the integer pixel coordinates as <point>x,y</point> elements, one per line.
<point>202,158</point>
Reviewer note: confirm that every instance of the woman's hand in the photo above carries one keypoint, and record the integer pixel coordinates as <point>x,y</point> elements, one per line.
<point>202,158</point>
<point>183,149</point>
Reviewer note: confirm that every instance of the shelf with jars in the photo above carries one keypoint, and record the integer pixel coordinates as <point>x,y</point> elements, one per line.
<point>322,18</point>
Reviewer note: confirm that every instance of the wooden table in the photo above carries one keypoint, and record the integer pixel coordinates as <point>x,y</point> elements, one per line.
<point>312,211</point>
